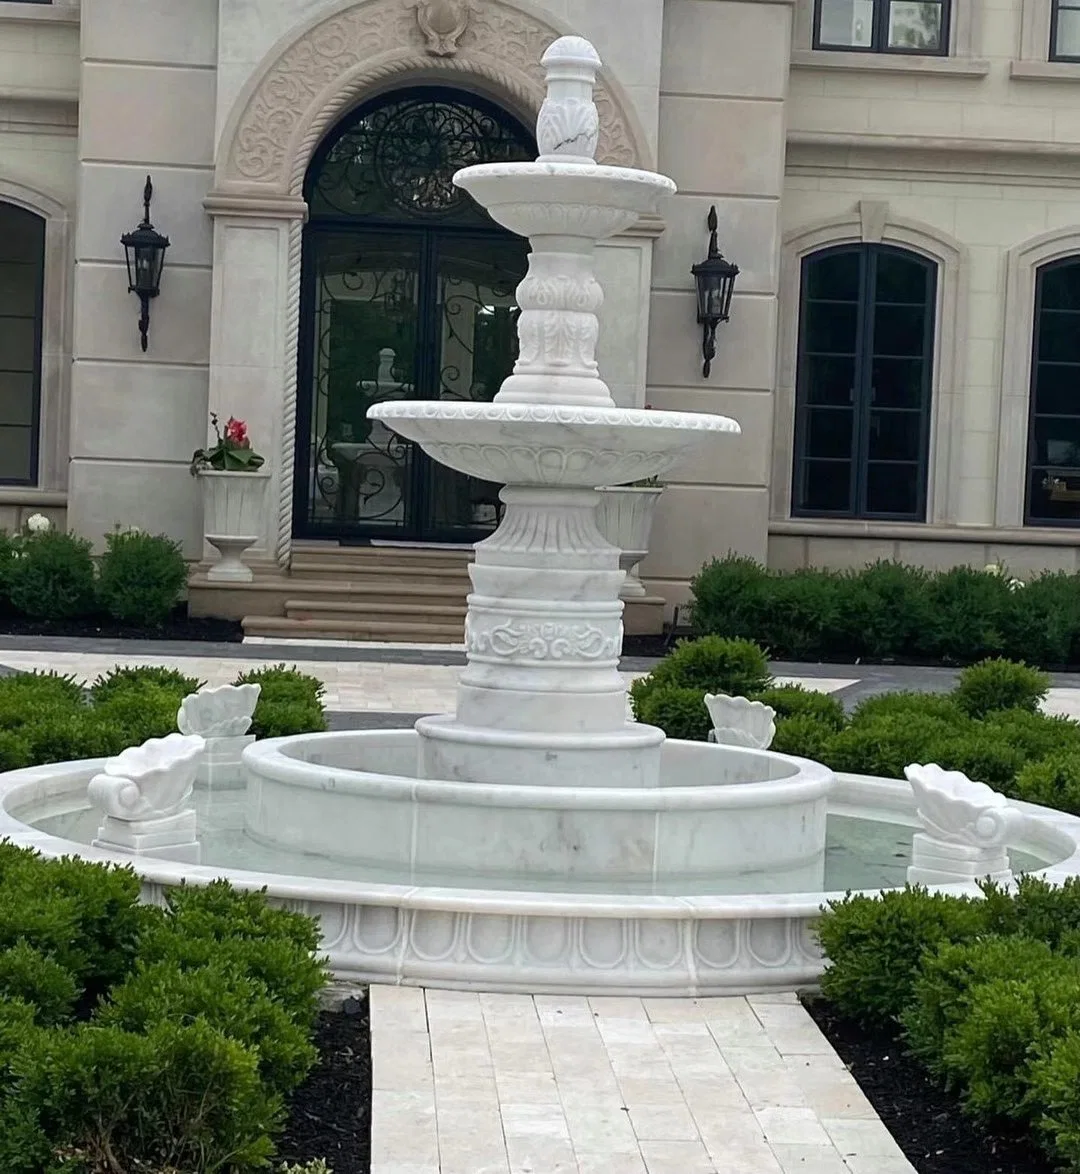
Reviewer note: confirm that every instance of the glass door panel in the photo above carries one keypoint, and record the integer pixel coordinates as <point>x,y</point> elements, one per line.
<point>363,320</point>
<point>475,344</point>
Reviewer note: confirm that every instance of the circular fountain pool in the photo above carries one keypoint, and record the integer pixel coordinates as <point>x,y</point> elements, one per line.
<point>567,937</point>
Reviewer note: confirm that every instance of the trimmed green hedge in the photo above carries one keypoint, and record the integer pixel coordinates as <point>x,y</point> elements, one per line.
<point>47,718</point>
<point>888,611</point>
<point>985,993</point>
<point>135,1037</point>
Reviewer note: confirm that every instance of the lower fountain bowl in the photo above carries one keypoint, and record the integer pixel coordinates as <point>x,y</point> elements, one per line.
<point>730,819</point>
<point>539,940</point>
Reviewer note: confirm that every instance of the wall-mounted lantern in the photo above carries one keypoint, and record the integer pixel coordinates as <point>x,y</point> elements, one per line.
<point>145,252</point>
<point>715,279</point>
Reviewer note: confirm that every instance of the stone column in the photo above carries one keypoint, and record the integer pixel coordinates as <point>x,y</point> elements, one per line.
<point>724,84</point>
<point>253,342</point>
<point>146,105</point>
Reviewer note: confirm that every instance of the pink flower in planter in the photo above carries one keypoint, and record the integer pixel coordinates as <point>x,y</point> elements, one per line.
<point>236,433</point>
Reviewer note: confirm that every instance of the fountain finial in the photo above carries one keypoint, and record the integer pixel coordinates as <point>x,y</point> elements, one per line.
<point>568,127</point>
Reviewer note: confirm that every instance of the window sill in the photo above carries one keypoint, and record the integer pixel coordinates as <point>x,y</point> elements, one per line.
<point>923,531</point>
<point>1045,71</point>
<point>889,63</point>
<point>56,13</point>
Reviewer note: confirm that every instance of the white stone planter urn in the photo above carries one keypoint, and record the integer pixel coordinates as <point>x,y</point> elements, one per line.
<point>233,505</point>
<point>625,518</point>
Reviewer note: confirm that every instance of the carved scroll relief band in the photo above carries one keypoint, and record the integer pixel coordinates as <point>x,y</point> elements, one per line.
<point>322,73</point>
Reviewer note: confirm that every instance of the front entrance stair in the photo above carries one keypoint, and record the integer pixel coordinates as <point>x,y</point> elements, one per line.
<point>389,594</point>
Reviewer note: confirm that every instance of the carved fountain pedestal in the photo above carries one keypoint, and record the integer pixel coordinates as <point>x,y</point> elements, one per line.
<point>541,700</point>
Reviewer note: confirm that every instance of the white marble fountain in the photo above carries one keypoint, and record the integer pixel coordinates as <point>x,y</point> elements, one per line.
<point>538,839</point>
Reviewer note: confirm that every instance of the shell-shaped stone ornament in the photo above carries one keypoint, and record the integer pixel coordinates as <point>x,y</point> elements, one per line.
<point>956,810</point>
<point>148,781</point>
<point>221,712</point>
<point>740,722</point>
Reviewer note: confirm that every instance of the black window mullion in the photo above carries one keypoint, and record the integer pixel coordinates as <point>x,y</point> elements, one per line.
<point>929,325</point>
<point>881,26</point>
<point>864,371</point>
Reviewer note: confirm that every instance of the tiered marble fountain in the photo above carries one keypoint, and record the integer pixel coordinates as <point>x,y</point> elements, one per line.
<point>539,839</point>
<point>540,778</point>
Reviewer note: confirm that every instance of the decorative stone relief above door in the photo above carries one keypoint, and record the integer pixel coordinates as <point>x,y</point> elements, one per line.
<point>295,98</point>
<point>443,23</point>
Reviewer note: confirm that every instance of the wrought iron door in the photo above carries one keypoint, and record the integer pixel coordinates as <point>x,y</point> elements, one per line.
<point>408,292</point>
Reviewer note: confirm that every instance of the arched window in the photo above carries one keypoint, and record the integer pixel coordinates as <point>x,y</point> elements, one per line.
<point>866,354</point>
<point>1053,490</point>
<point>22,267</point>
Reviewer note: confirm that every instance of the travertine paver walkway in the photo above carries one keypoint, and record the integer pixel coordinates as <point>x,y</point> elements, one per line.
<point>512,1084</point>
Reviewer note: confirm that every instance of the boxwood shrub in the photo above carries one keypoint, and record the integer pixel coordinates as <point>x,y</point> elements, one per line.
<point>141,1037</point>
<point>984,993</point>
<point>888,611</point>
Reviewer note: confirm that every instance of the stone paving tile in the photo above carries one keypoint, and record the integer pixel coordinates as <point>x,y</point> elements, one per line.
<point>471,1083</point>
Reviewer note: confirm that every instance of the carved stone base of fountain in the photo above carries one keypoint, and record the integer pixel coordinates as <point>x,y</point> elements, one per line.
<point>171,837</point>
<point>222,767</point>
<point>937,863</point>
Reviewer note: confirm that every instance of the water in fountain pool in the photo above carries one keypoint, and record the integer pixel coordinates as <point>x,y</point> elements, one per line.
<point>860,853</point>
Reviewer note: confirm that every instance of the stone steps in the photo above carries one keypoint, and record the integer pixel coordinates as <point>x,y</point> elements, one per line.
<point>396,631</point>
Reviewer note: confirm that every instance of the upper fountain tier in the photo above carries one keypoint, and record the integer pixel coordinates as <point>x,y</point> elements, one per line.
<point>554,422</point>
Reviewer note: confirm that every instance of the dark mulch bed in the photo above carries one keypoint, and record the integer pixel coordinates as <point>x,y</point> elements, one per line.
<point>330,1114</point>
<point>926,1122</point>
<point>179,626</point>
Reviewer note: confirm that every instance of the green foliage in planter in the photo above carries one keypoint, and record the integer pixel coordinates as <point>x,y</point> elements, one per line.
<point>805,737</point>
<point>136,1037</point>
<point>52,577</point>
<point>876,945</point>
<point>679,712</point>
<point>290,702</point>
<point>993,685</point>
<point>141,577</point>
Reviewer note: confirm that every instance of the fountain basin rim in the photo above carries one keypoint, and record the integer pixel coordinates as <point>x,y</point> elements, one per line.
<point>569,415</point>
<point>605,173</point>
<point>1052,831</point>
<point>808,781</point>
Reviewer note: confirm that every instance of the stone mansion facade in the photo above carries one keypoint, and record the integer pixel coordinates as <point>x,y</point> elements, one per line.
<point>897,180</point>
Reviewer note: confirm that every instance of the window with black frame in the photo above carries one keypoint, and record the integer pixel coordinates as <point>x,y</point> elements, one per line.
<point>1053,489</point>
<point>862,408</point>
<point>22,262</point>
<point>1065,30</point>
<point>883,26</point>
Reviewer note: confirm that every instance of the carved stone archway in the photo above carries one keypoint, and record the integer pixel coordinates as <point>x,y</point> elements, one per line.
<point>318,73</point>
<point>306,82</point>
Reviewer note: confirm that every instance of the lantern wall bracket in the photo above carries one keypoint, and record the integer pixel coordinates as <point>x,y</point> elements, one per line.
<point>715,281</point>
<point>145,253</point>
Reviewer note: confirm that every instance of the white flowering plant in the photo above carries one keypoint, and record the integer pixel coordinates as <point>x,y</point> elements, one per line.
<point>1001,571</point>
<point>38,524</point>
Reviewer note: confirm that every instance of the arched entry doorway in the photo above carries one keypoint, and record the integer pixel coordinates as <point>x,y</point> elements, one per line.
<point>408,292</point>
